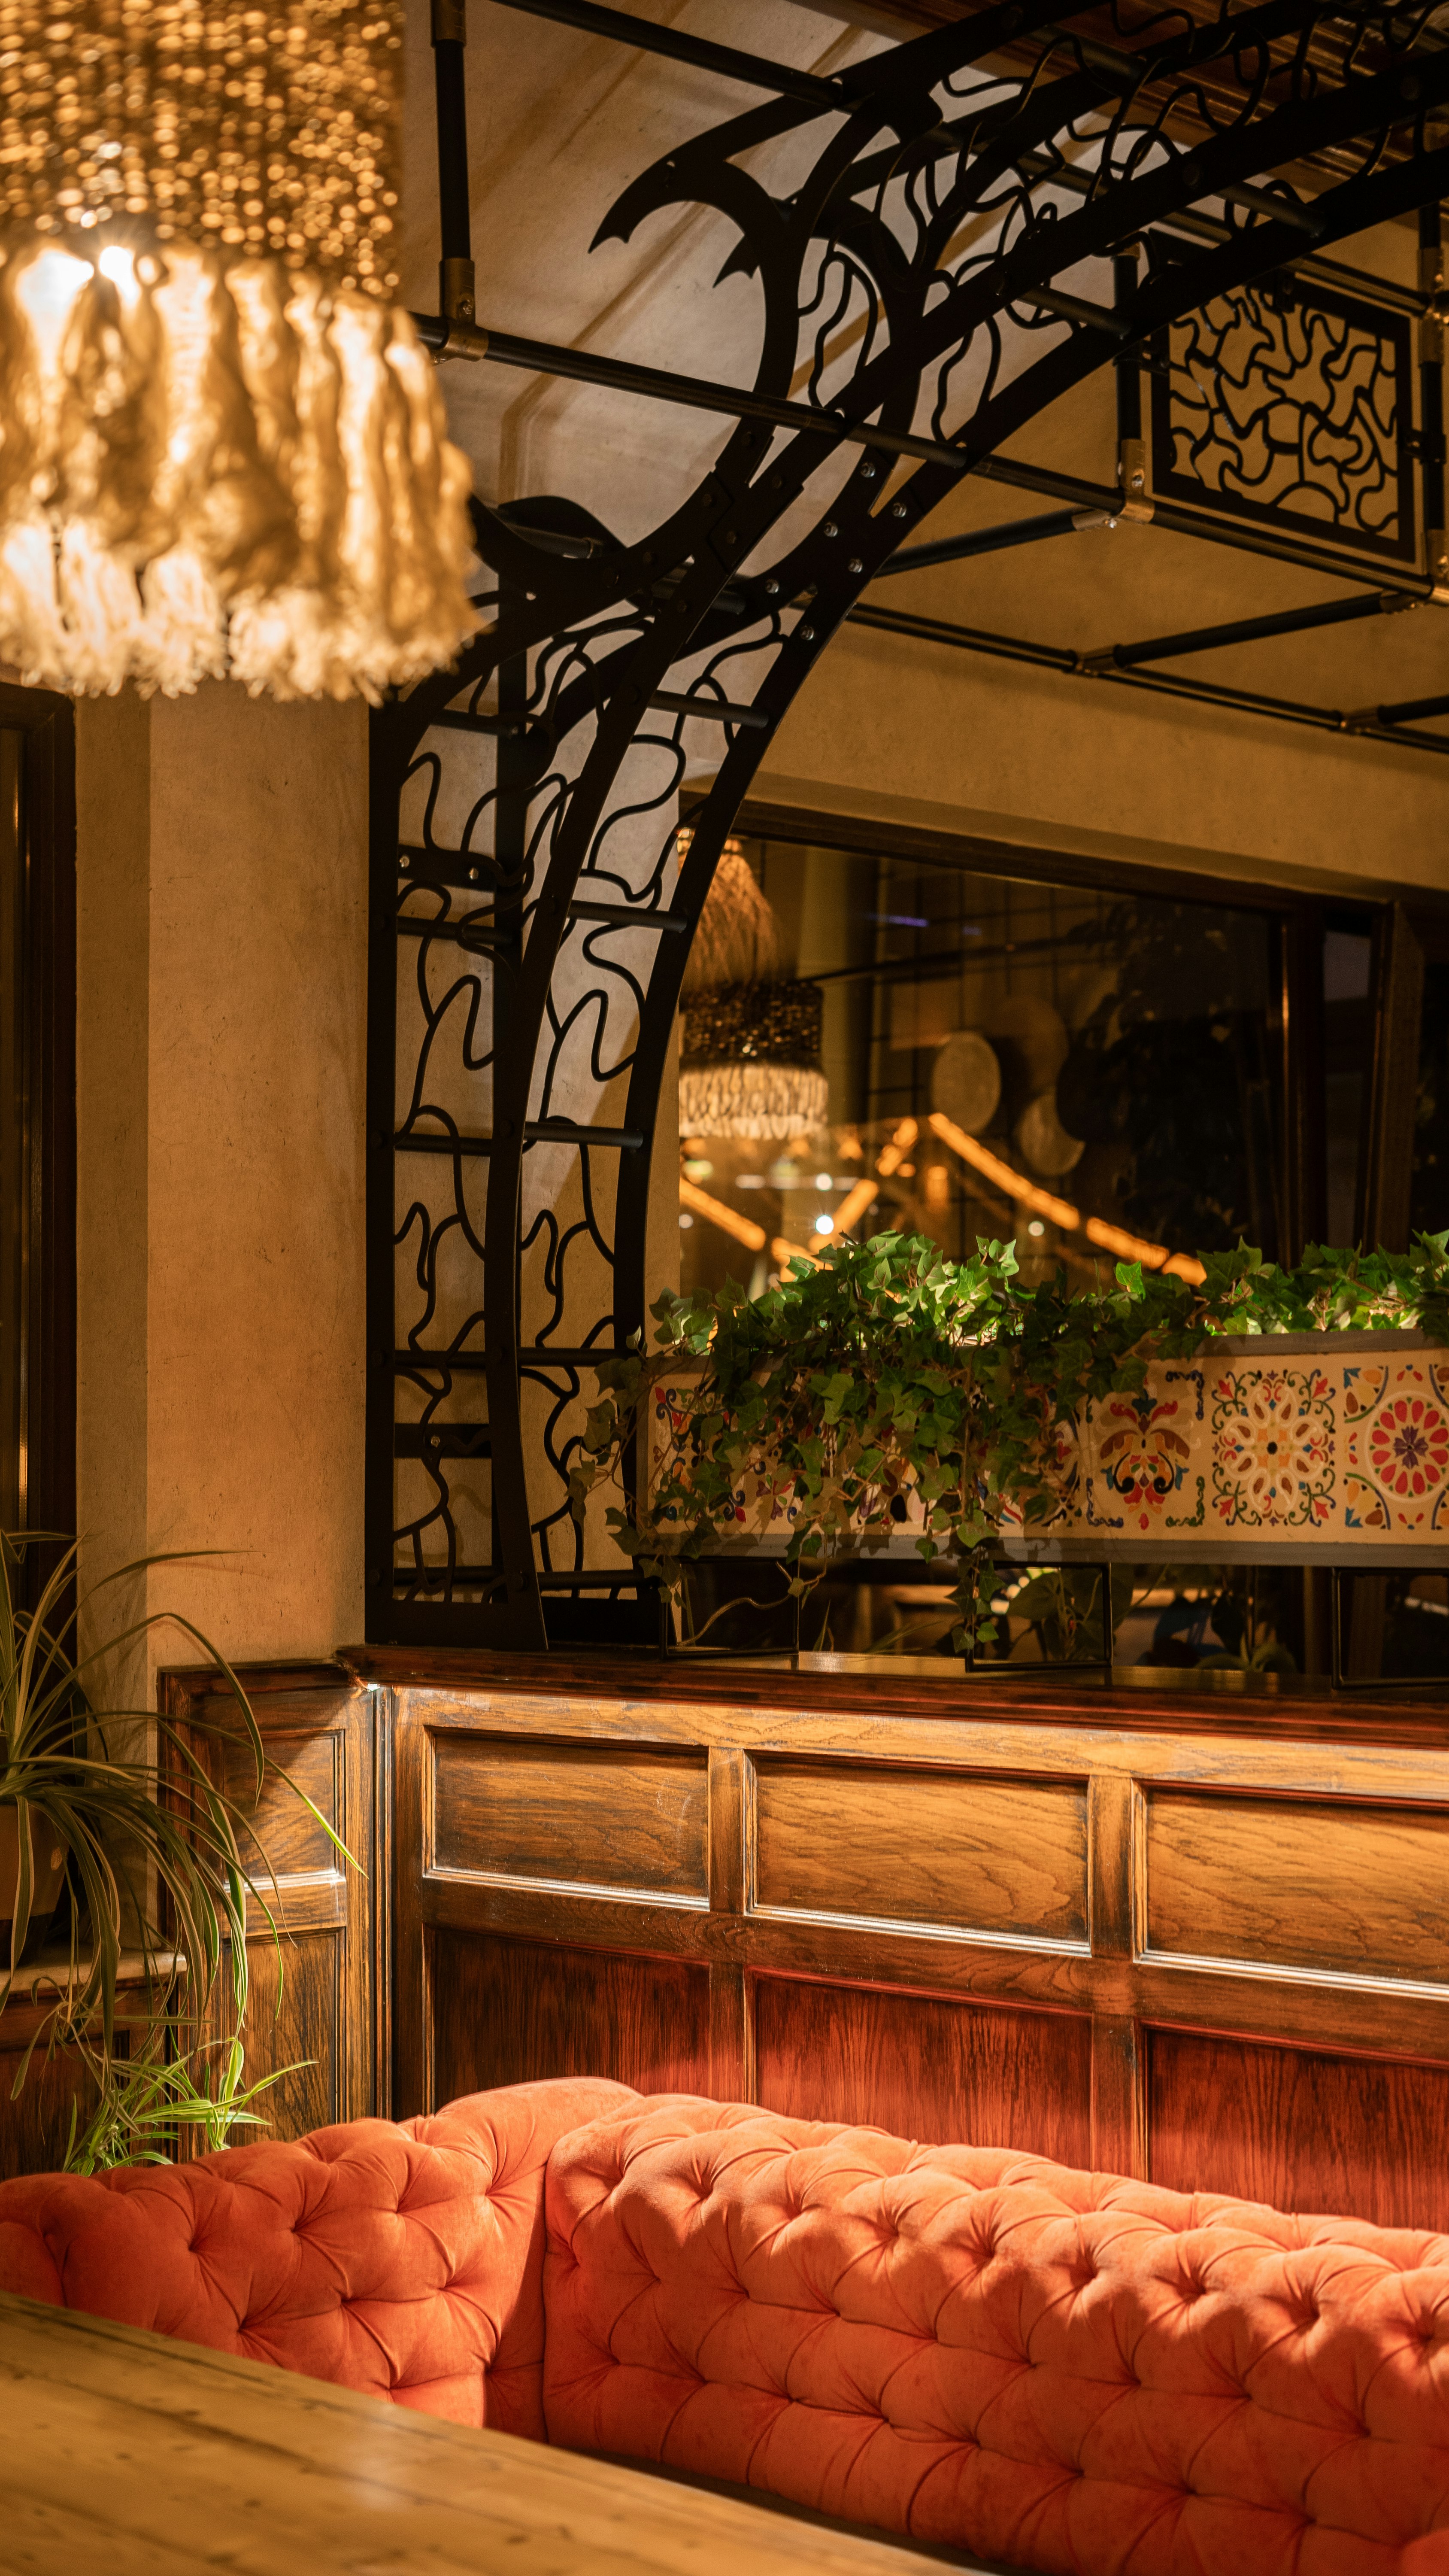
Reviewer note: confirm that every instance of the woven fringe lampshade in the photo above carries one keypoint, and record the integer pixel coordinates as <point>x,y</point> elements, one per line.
<point>221,450</point>
<point>749,1062</point>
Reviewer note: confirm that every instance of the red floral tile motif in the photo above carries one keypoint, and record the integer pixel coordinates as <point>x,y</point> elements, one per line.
<point>1408,1446</point>
<point>1273,1461</point>
<point>1397,1447</point>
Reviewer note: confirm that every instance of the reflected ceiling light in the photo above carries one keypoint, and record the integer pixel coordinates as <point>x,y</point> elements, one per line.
<point>750,1055</point>
<point>1111,1238</point>
<point>222,451</point>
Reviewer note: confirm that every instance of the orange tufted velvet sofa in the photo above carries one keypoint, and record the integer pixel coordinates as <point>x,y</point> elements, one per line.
<point>1064,2371</point>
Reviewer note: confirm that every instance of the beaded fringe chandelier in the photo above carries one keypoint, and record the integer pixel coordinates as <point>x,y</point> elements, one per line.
<point>749,1061</point>
<point>221,451</point>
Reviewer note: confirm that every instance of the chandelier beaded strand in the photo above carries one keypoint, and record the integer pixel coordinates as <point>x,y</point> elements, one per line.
<point>221,450</point>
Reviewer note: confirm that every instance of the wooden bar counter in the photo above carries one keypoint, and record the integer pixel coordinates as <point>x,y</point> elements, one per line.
<point>1194,1937</point>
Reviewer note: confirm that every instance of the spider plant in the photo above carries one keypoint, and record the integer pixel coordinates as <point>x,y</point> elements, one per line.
<point>154,1856</point>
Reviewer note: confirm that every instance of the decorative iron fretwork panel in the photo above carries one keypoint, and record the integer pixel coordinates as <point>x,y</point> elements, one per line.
<point>1286,402</point>
<point>942,271</point>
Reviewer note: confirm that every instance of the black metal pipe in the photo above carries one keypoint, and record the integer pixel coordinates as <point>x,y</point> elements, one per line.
<point>1129,372</point>
<point>1431,393</point>
<point>659,384</point>
<point>1408,709</point>
<point>1186,522</point>
<point>752,70</point>
<point>1208,693</point>
<point>1249,630</point>
<point>990,541</point>
<point>456,292</point>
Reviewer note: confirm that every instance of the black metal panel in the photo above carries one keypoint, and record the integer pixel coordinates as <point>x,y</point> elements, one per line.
<point>1287,404</point>
<point>945,272</point>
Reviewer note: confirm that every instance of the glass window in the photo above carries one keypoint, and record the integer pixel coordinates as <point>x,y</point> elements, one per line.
<point>1097,1073</point>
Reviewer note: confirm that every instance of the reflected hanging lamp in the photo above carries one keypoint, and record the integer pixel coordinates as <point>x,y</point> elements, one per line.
<point>222,451</point>
<point>749,1058</point>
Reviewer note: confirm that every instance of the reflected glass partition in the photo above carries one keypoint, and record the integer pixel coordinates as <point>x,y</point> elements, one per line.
<point>1094,1072</point>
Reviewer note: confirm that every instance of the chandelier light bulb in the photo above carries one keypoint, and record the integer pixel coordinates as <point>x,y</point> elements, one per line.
<point>222,449</point>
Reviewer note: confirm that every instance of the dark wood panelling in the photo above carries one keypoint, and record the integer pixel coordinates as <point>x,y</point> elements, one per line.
<point>303,2025</point>
<point>630,1817</point>
<point>929,1909</point>
<point>1317,1883</point>
<point>945,2073</point>
<point>34,2130</point>
<point>509,2011</point>
<point>1300,2129</point>
<point>318,1730</point>
<point>984,1853</point>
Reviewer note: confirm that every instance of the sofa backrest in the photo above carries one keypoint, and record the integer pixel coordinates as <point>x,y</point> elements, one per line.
<point>1061,2370</point>
<point>404,2259</point>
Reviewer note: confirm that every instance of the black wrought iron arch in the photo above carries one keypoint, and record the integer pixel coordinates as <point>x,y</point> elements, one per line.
<point>531,911</point>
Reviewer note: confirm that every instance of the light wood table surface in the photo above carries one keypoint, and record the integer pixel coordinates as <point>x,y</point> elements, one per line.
<point>131,2454</point>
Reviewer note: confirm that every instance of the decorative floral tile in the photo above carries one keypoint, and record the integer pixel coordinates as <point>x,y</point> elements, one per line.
<point>1145,1471</point>
<point>1396,1447</point>
<point>1351,1449</point>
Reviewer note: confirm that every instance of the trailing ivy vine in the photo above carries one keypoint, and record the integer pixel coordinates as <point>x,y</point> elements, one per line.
<point>885,1384</point>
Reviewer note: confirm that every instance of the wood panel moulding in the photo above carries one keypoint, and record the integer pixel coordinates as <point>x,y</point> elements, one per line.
<point>314,2008</point>
<point>985,1922</point>
<point>855,1842</point>
<point>630,1819</point>
<point>1300,2128</point>
<point>1338,1887</point>
<point>507,2012</point>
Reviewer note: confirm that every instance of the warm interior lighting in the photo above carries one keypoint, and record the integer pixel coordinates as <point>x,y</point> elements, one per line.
<point>743,1228</point>
<point>893,1154</point>
<point>853,1206</point>
<point>991,1168</point>
<point>221,452</point>
<point>1111,1238</point>
<point>782,1250</point>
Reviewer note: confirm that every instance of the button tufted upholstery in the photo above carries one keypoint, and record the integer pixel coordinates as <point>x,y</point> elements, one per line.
<point>1064,2370</point>
<point>405,2260</point>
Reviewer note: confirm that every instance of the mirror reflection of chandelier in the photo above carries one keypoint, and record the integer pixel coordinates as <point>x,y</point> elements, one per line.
<point>749,1061</point>
<point>221,450</point>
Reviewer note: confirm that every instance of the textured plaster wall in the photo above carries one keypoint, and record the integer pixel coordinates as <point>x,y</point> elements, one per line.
<point>222,954</point>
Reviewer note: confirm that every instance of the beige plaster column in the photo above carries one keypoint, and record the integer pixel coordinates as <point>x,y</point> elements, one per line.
<point>220,1091</point>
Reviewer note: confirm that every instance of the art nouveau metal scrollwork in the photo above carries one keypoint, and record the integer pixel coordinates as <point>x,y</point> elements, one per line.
<point>938,273</point>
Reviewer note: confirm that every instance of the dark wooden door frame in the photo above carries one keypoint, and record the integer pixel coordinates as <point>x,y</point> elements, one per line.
<point>47,962</point>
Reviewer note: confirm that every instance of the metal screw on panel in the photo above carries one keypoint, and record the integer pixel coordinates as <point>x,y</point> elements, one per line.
<point>830,529</point>
<point>809,634</point>
<point>855,564</point>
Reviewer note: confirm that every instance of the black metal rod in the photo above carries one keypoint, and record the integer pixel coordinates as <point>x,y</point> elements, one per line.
<point>455,217</point>
<point>1408,709</point>
<point>752,70</point>
<point>1249,630</point>
<point>1208,693</point>
<point>1181,522</point>
<point>990,541</point>
<point>659,384</point>
<point>1431,391</point>
<point>1129,373</point>
<point>715,710</point>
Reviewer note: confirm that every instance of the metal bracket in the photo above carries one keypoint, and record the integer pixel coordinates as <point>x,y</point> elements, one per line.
<point>1095,666</point>
<point>1132,481</point>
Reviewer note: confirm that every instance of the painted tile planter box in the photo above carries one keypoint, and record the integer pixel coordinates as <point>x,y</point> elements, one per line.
<point>1292,1448</point>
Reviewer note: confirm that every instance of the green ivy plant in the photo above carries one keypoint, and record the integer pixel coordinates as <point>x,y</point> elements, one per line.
<point>886,1380</point>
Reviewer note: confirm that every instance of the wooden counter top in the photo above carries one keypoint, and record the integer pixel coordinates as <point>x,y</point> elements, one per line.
<point>128,2452</point>
<point>918,1687</point>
